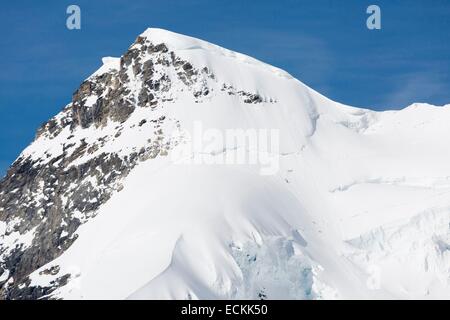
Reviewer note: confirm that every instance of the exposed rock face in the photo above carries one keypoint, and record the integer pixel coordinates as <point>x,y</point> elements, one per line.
<point>45,199</point>
<point>78,160</point>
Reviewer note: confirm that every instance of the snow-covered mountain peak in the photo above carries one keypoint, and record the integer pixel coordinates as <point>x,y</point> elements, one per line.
<point>98,206</point>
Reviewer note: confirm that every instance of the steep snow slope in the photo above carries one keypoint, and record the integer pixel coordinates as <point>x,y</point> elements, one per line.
<point>356,204</point>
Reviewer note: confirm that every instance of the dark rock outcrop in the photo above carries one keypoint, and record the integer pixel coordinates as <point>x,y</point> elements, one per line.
<point>50,197</point>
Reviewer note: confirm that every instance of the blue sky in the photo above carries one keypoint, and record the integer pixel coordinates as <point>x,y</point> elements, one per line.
<point>325,44</point>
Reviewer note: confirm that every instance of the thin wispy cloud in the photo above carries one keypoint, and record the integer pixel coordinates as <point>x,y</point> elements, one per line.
<point>415,87</point>
<point>4,165</point>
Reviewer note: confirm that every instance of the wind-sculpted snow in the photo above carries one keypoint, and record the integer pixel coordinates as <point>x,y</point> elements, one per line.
<point>99,205</point>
